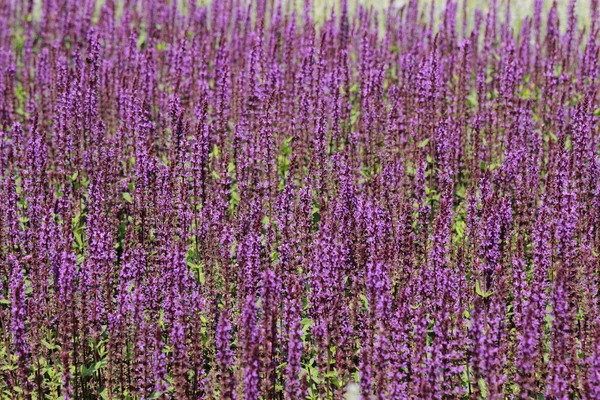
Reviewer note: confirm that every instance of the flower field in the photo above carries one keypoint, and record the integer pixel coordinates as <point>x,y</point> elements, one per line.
<point>239,200</point>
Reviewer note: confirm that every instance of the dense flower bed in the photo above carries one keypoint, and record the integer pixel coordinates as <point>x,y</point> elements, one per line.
<point>235,201</point>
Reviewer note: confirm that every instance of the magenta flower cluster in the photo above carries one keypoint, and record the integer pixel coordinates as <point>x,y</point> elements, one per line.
<point>244,201</point>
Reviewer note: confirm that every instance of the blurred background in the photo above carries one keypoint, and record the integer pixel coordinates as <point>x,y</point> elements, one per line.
<point>322,8</point>
<point>519,9</point>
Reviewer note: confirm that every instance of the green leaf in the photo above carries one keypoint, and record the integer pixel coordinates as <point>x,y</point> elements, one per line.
<point>423,143</point>
<point>49,346</point>
<point>312,374</point>
<point>354,117</point>
<point>316,217</point>
<point>482,292</point>
<point>216,152</point>
<point>482,387</point>
<point>78,239</point>
<point>472,99</point>
<point>127,197</point>
<point>597,112</point>
<point>478,288</point>
<point>93,368</point>
<point>364,300</point>
<point>460,227</point>
<point>306,324</point>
